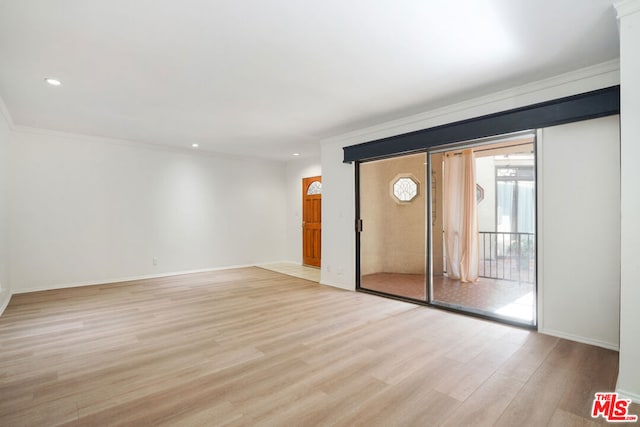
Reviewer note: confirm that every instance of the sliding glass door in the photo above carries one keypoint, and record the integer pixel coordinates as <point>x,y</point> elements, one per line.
<point>454,227</point>
<point>483,226</point>
<point>393,199</point>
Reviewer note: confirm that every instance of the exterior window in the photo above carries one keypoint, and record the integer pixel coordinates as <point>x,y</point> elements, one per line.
<point>404,189</point>
<point>314,188</point>
<point>515,199</point>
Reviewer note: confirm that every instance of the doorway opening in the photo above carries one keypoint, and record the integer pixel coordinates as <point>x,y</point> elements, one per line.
<point>312,221</point>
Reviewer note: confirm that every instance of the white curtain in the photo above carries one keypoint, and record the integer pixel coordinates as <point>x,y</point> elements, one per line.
<point>504,205</point>
<point>460,216</point>
<point>526,207</point>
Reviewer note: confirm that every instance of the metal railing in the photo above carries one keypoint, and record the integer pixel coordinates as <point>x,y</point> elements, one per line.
<point>508,256</point>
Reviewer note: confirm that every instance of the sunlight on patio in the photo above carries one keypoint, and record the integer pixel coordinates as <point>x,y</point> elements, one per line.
<point>520,309</point>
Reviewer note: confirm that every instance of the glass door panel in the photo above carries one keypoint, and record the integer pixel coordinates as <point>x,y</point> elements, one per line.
<point>392,206</point>
<point>483,230</point>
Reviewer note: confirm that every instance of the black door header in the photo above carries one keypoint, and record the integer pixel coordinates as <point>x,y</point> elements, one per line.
<point>585,106</point>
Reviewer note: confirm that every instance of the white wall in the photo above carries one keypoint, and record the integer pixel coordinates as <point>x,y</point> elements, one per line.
<point>295,171</point>
<point>338,219</point>
<point>579,231</point>
<point>5,135</point>
<point>629,373</point>
<point>88,210</point>
<point>486,178</point>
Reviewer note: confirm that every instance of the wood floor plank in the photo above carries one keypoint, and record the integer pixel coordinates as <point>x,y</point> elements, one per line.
<point>562,418</point>
<point>536,403</point>
<point>592,376</point>
<point>487,403</point>
<point>249,346</point>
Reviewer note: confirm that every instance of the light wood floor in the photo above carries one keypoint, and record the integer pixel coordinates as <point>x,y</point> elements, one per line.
<point>255,347</point>
<point>295,270</point>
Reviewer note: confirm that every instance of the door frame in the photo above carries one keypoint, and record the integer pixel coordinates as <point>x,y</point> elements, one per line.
<point>359,226</point>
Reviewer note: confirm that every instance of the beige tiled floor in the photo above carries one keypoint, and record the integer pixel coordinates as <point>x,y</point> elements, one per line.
<point>295,270</point>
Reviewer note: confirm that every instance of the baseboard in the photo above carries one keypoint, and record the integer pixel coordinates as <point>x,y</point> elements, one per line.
<point>578,338</point>
<point>333,285</point>
<point>265,264</point>
<point>5,297</point>
<point>628,395</point>
<point>126,279</point>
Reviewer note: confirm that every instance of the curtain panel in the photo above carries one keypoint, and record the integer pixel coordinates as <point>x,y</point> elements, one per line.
<point>460,216</point>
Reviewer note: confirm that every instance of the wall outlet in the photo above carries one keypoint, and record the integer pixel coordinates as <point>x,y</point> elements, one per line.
<point>154,261</point>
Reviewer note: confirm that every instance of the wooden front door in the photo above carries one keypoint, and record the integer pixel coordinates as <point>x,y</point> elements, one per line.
<point>311,220</point>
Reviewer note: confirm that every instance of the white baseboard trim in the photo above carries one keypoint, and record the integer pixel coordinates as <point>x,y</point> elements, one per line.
<point>5,297</point>
<point>628,395</point>
<point>126,279</point>
<point>333,285</point>
<point>266,264</point>
<point>578,338</point>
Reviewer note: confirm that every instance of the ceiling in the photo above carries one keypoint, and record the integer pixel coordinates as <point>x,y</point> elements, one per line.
<point>273,77</point>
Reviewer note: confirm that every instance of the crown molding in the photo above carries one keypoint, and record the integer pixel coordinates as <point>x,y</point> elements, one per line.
<point>627,7</point>
<point>503,124</point>
<point>79,137</point>
<point>84,138</point>
<point>572,83</point>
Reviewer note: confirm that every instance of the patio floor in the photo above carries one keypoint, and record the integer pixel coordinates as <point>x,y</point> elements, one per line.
<point>504,298</point>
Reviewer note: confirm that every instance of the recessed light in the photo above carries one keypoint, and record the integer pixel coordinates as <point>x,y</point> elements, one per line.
<point>195,145</point>
<point>53,82</point>
<point>296,154</point>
